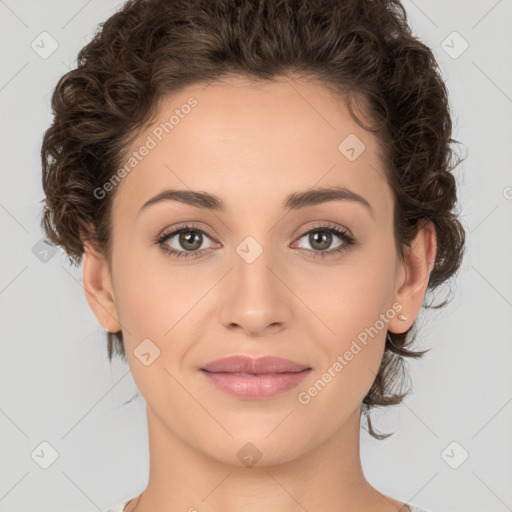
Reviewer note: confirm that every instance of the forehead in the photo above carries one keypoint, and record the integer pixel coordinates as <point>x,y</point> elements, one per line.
<point>241,139</point>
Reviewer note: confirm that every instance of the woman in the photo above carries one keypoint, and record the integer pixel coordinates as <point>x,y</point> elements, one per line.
<point>262,195</point>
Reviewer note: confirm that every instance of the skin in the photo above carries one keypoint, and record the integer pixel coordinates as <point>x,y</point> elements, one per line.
<point>252,144</point>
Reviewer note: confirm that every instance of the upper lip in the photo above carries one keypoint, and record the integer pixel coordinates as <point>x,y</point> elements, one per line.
<point>261,365</point>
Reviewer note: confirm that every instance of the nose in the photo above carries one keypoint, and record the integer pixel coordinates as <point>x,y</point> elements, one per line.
<point>255,297</point>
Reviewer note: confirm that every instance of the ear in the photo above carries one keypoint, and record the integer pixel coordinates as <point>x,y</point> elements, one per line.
<point>98,288</point>
<point>412,280</point>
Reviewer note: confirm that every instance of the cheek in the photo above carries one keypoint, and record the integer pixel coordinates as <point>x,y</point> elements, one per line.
<point>147,298</point>
<point>350,355</point>
<point>159,301</point>
<point>354,302</point>
<point>350,297</point>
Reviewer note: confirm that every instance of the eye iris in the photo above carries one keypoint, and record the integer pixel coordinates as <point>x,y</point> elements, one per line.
<point>324,236</point>
<point>185,239</point>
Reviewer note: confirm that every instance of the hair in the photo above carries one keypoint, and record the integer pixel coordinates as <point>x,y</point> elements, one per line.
<point>363,50</point>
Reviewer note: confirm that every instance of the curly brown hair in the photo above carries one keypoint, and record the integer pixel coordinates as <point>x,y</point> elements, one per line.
<point>362,49</point>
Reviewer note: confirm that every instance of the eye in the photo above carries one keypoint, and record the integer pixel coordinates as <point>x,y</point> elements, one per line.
<point>189,240</point>
<point>320,238</point>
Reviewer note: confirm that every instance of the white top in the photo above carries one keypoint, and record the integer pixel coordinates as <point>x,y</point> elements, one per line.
<point>120,507</point>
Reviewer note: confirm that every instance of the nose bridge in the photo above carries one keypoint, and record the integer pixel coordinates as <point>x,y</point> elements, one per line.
<point>256,298</point>
<point>254,243</point>
<point>254,258</point>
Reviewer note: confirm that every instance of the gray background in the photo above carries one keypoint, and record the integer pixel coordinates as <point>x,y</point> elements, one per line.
<point>56,384</point>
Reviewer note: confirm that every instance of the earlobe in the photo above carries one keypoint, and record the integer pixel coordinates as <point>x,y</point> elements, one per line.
<point>98,288</point>
<point>417,266</point>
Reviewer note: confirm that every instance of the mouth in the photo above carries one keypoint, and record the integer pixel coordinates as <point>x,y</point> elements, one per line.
<point>249,378</point>
<point>259,366</point>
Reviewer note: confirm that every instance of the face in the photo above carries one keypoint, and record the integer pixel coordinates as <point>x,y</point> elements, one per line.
<point>314,281</point>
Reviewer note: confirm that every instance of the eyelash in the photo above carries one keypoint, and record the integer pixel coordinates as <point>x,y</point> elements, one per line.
<point>347,239</point>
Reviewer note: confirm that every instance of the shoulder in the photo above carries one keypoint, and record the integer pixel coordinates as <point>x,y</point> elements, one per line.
<point>120,507</point>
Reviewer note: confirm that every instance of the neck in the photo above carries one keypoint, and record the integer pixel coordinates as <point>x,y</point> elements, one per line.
<point>328,477</point>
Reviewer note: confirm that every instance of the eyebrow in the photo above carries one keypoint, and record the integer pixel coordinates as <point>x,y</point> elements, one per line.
<point>294,201</point>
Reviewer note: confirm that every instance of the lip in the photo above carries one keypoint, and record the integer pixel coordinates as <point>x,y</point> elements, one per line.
<point>260,365</point>
<point>259,378</point>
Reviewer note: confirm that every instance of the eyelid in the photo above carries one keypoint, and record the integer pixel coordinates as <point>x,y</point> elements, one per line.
<point>191,225</point>
<point>317,225</point>
<point>341,232</point>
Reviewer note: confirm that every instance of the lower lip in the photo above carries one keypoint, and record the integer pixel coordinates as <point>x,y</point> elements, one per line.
<point>256,386</point>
